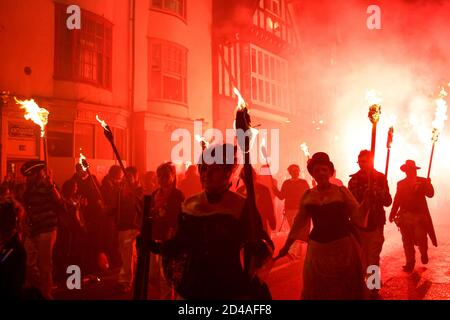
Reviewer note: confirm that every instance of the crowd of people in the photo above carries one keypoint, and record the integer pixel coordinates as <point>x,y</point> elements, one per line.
<point>201,223</point>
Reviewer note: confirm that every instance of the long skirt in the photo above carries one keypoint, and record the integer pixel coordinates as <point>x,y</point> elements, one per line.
<point>332,271</point>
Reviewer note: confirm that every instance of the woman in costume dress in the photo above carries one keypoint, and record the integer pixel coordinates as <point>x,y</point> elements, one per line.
<point>203,259</point>
<point>332,266</point>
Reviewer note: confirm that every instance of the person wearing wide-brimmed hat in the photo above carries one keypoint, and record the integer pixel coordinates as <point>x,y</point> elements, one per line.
<point>42,204</point>
<point>332,267</point>
<point>411,213</point>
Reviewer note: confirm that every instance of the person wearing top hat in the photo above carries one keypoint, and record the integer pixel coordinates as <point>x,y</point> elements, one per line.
<point>42,204</point>
<point>410,212</point>
<point>332,267</point>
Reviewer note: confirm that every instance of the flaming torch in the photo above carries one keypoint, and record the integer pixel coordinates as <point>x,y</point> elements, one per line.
<point>390,139</point>
<point>438,123</point>
<point>305,149</point>
<point>108,134</point>
<point>242,124</point>
<point>374,116</point>
<point>85,166</point>
<point>202,140</point>
<point>39,116</point>
<point>264,155</point>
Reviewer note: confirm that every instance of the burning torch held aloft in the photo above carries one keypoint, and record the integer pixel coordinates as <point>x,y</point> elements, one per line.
<point>438,123</point>
<point>39,116</point>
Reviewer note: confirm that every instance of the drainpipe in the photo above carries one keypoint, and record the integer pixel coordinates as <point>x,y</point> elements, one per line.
<point>132,28</point>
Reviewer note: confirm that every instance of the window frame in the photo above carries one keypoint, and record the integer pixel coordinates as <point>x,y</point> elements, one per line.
<point>167,73</point>
<point>75,50</point>
<point>274,80</point>
<point>163,9</point>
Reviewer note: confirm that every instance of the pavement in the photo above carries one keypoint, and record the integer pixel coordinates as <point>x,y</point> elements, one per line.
<point>427,282</point>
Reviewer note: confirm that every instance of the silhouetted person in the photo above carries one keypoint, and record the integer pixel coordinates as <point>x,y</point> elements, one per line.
<point>149,182</point>
<point>112,185</point>
<point>7,185</point>
<point>291,192</point>
<point>13,258</point>
<point>410,210</point>
<point>332,267</point>
<point>166,206</point>
<point>372,236</point>
<point>42,204</point>
<point>70,246</point>
<point>92,211</point>
<point>128,224</point>
<point>263,202</point>
<point>191,184</point>
<point>203,257</point>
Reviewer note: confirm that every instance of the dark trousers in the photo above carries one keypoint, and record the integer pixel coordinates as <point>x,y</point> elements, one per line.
<point>412,228</point>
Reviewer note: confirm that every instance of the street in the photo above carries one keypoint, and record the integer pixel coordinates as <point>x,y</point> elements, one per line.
<point>430,282</point>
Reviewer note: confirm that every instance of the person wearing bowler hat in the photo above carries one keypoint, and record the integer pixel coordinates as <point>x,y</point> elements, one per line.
<point>332,267</point>
<point>42,204</point>
<point>410,212</point>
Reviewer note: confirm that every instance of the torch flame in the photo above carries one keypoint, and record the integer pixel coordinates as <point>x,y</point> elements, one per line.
<point>241,106</point>
<point>34,113</point>
<point>440,114</point>
<point>305,149</point>
<point>103,123</point>
<point>82,161</point>
<point>241,102</point>
<point>201,139</point>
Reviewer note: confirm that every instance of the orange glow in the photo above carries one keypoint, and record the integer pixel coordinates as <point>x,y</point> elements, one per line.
<point>34,113</point>
<point>305,149</point>
<point>440,114</point>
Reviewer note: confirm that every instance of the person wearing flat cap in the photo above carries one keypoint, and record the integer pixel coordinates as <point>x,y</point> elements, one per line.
<point>42,203</point>
<point>410,212</point>
<point>332,269</point>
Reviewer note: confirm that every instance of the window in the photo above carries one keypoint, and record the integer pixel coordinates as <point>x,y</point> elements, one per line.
<point>175,7</point>
<point>274,6</point>
<point>168,68</point>
<point>60,139</point>
<point>103,148</point>
<point>84,139</point>
<point>83,55</point>
<point>269,79</point>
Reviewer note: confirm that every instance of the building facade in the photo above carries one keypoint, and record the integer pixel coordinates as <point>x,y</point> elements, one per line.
<point>134,63</point>
<point>146,67</point>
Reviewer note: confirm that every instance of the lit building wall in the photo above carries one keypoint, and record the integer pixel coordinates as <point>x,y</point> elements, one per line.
<point>29,31</point>
<point>170,44</point>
